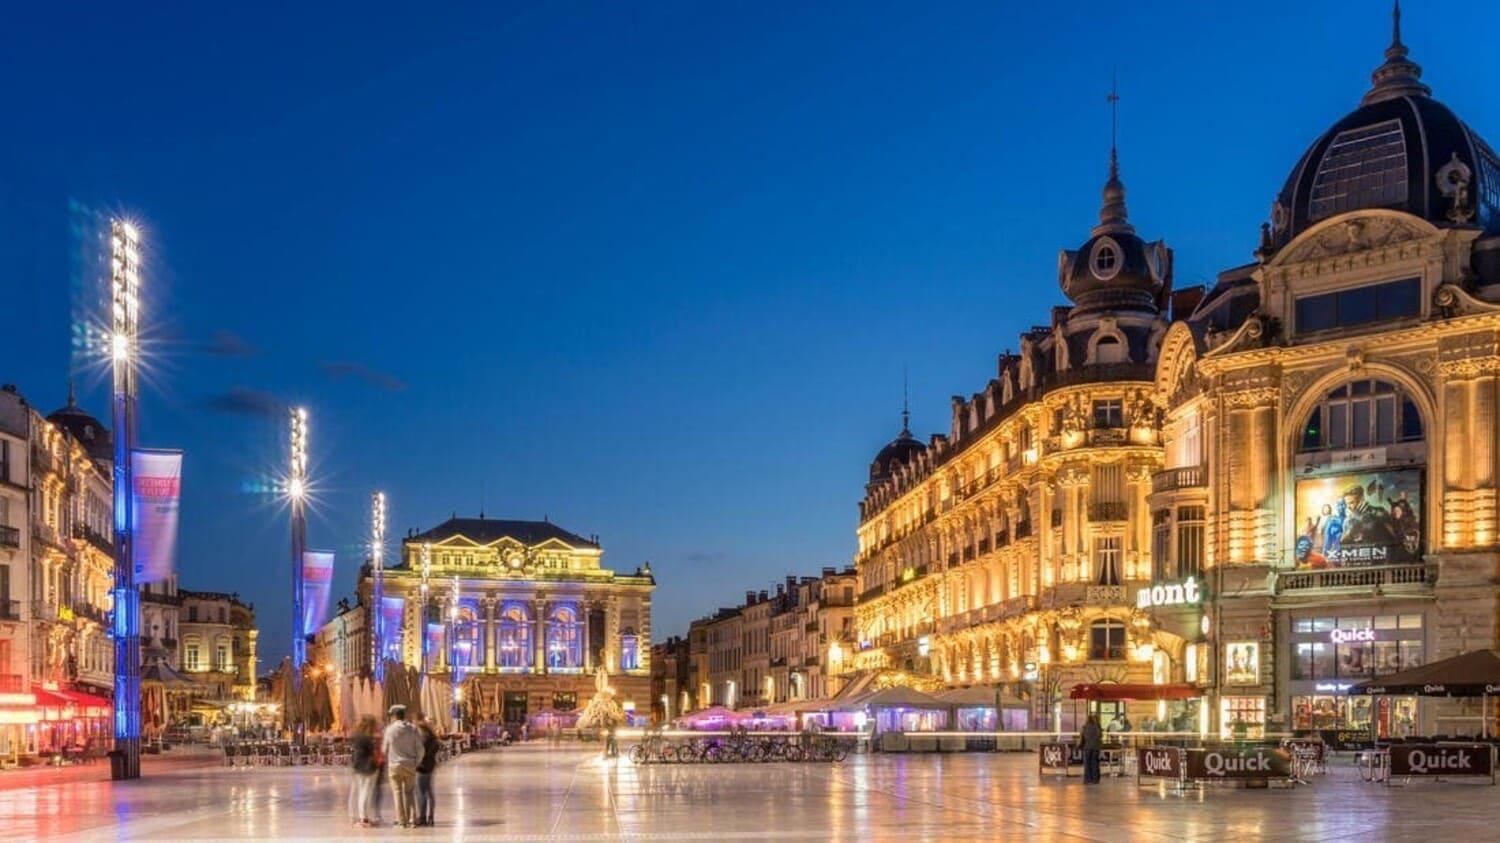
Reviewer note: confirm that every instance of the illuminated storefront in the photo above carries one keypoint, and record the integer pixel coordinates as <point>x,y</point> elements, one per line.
<point>1329,653</point>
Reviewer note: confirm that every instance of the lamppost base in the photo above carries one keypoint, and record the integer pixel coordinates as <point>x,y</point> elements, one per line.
<point>124,765</point>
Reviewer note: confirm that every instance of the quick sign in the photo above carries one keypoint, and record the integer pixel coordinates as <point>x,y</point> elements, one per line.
<point>1351,636</point>
<point>1237,764</point>
<point>1057,756</point>
<point>1430,760</point>
<point>1185,593</point>
<point>1161,762</point>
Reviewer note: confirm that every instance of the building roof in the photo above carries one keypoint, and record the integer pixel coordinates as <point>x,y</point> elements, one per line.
<point>89,431</point>
<point>1400,149</point>
<point>489,530</point>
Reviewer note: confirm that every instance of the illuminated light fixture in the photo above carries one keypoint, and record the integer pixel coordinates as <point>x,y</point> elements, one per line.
<point>125,298</point>
<point>377,583</point>
<point>297,492</point>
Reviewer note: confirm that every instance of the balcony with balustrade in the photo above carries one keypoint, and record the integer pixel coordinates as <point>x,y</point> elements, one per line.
<point>1418,577</point>
<point>1173,479</point>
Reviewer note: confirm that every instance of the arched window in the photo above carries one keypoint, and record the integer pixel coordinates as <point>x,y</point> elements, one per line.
<point>1107,640</point>
<point>515,636</point>
<point>1362,414</point>
<point>468,649</point>
<point>564,638</point>
<point>630,651</point>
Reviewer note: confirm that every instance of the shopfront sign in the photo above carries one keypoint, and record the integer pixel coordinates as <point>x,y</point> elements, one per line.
<point>1185,593</point>
<point>1351,636</point>
<point>1446,761</point>
<point>1161,762</point>
<point>1237,764</point>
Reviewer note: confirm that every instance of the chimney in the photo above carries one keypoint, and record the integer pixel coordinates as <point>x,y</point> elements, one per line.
<point>749,598</point>
<point>829,570</point>
<point>764,596</point>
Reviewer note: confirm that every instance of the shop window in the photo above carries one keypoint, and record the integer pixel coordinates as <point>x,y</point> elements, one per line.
<point>1355,661</point>
<point>1107,640</point>
<point>1362,414</point>
<point>1189,541</point>
<point>1107,560</point>
<point>1109,413</point>
<point>1411,621</point>
<point>1313,661</point>
<point>1242,717</point>
<point>1161,544</point>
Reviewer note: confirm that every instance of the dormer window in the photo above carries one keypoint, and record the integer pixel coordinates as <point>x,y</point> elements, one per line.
<point>1105,259</point>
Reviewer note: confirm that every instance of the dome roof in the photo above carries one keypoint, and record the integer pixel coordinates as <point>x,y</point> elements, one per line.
<point>1115,269</point>
<point>83,427</point>
<point>1401,149</point>
<point>901,450</point>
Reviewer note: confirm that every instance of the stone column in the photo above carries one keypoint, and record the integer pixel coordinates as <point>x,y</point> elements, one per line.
<point>612,633</point>
<point>585,608</point>
<point>539,642</point>
<point>489,636</point>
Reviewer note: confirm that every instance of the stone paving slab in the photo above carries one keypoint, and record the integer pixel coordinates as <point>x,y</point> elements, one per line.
<point>541,793</point>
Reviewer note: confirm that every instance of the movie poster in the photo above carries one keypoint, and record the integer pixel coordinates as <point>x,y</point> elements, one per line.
<point>1359,519</point>
<point>1242,663</point>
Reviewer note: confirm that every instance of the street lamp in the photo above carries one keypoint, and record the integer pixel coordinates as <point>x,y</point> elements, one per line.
<point>377,589</point>
<point>297,492</point>
<point>125,278</point>
<point>422,615</point>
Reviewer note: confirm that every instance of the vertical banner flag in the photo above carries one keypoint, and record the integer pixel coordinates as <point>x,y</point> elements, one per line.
<point>391,611</point>
<point>155,502</point>
<point>317,587</point>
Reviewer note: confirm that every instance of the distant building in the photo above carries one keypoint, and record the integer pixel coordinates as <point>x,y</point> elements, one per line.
<point>671,679</point>
<point>777,646</point>
<point>343,643</point>
<point>521,612</point>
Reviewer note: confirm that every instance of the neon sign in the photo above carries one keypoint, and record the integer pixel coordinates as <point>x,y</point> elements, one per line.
<point>1351,636</point>
<point>1185,593</point>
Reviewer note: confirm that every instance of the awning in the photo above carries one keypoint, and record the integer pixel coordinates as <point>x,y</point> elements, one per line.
<point>87,705</point>
<point>1123,691</point>
<point>1472,674</point>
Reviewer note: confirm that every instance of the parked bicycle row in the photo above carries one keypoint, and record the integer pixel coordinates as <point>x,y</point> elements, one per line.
<point>655,749</point>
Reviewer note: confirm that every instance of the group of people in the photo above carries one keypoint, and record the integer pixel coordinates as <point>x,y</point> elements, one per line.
<point>408,754</point>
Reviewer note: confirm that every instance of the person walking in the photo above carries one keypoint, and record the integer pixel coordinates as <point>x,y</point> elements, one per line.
<point>364,770</point>
<point>426,803</point>
<point>402,746</point>
<point>1091,740</point>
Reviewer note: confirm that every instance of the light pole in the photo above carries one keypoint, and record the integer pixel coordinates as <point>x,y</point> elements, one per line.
<point>377,587</point>
<point>124,276</point>
<point>422,615</point>
<point>297,491</point>
<point>453,673</point>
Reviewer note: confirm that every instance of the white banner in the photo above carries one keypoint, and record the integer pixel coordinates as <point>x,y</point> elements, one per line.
<point>157,498</point>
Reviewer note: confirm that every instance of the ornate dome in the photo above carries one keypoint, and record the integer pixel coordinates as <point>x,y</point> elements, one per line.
<point>1115,270</point>
<point>84,428</point>
<point>1401,149</point>
<point>900,451</point>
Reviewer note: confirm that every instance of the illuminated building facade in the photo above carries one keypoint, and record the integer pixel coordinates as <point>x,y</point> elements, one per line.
<point>522,612</point>
<point>1264,492</point>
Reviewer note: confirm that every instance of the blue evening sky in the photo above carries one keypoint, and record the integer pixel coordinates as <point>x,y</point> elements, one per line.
<point>652,270</point>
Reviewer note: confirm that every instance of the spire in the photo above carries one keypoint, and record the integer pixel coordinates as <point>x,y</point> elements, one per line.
<point>72,395</point>
<point>1112,214</point>
<point>905,407</point>
<point>1398,76</point>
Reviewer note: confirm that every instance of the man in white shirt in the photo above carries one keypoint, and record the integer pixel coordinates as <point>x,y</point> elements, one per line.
<point>402,748</point>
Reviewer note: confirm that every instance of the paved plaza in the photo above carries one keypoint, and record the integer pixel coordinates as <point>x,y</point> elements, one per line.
<point>537,793</point>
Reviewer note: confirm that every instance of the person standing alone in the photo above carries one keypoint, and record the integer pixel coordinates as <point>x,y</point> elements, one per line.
<point>1091,741</point>
<point>426,803</point>
<point>364,772</point>
<point>403,752</point>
